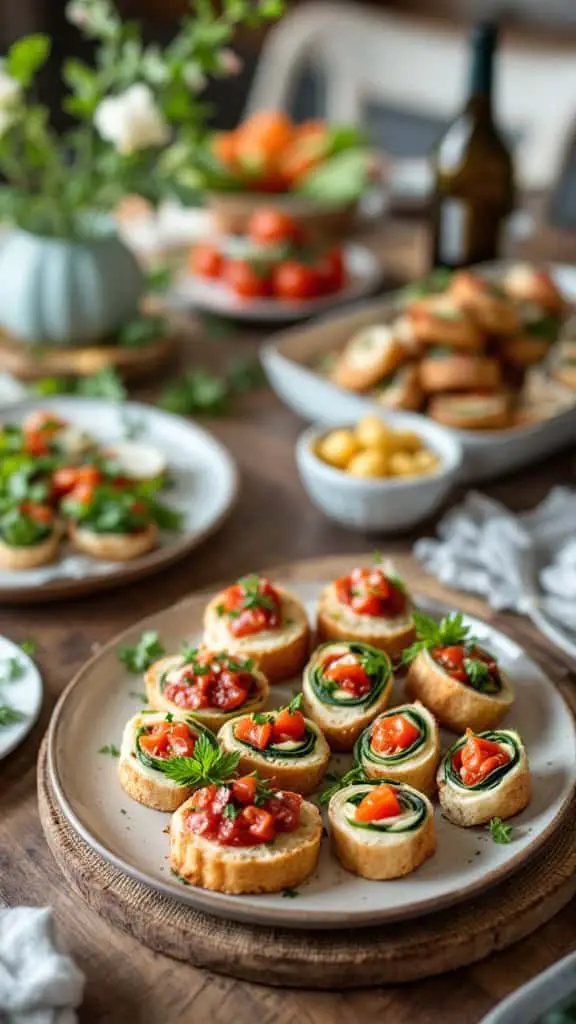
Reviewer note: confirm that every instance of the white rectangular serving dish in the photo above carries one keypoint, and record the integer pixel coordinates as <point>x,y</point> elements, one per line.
<point>487,453</point>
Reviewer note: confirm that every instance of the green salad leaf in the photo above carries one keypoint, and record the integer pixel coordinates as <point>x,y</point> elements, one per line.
<point>340,179</point>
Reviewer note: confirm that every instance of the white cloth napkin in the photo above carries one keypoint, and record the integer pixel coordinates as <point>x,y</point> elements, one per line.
<point>11,390</point>
<point>526,562</point>
<point>39,983</point>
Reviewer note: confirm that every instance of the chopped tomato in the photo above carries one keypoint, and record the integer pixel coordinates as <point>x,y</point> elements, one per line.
<point>392,734</point>
<point>39,513</point>
<point>370,592</point>
<point>268,226</point>
<point>381,802</point>
<point>219,688</point>
<point>244,789</point>
<point>308,148</point>
<point>42,421</point>
<point>246,280</point>
<point>66,478</point>
<point>230,690</point>
<point>83,493</point>
<point>285,807</point>
<point>330,271</point>
<point>260,823</point>
<point>257,734</point>
<point>478,758</point>
<point>206,260</point>
<point>289,725</point>
<point>223,146</point>
<point>228,815</point>
<point>295,281</point>
<point>452,661</point>
<point>349,674</point>
<point>270,129</point>
<point>252,605</point>
<point>168,739</point>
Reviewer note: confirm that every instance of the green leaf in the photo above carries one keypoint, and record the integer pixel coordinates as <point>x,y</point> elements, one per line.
<point>296,703</point>
<point>142,331</point>
<point>339,180</point>
<point>51,386</point>
<point>29,647</point>
<point>208,764</point>
<point>9,715</point>
<point>245,375</point>
<point>198,391</point>
<point>111,749</point>
<point>159,279</point>
<point>11,669</point>
<point>26,56</point>
<point>104,384</point>
<point>450,631</point>
<point>166,518</point>
<point>477,671</point>
<point>347,779</point>
<point>143,654</point>
<point>500,832</point>
<point>290,894</point>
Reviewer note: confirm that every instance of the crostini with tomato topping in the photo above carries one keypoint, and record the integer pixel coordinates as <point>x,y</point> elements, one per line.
<point>109,523</point>
<point>213,686</point>
<point>529,284</point>
<point>259,620</point>
<point>345,686</point>
<point>402,744</point>
<point>381,830</point>
<point>370,605</point>
<point>46,433</point>
<point>281,745</point>
<point>29,536</point>
<point>371,354</point>
<point>454,677</point>
<point>440,320</point>
<point>150,740</point>
<point>484,775</point>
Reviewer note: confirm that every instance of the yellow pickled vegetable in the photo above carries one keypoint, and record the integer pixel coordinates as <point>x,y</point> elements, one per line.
<point>371,432</point>
<point>338,447</point>
<point>369,462</point>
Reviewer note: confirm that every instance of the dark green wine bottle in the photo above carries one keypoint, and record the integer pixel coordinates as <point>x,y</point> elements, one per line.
<point>473,174</point>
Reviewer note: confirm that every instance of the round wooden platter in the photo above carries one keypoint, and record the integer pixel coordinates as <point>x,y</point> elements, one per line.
<point>337,959</point>
<point>30,363</point>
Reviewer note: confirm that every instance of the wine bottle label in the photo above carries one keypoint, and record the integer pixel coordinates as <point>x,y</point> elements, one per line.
<point>452,231</point>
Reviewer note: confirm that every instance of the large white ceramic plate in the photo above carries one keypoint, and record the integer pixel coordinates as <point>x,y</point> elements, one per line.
<point>487,453</point>
<point>24,694</point>
<point>92,713</point>
<point>205,487</point>
<point>364,276</point>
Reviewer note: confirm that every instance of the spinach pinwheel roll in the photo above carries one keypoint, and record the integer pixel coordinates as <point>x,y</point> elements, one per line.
<point>484,776</point>
<point>381,830</point>
<point>345,686</point>
<point>402,744</point>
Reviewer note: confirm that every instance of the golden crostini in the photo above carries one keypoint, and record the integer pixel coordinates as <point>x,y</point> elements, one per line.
<point>529,284</point>
<point>484,775</point>
<point>439,320</point>
<point>472,411</point>
<point>371,354</point>
<point>446,370</point>
<point>113,547</point>
<point>487,302</point>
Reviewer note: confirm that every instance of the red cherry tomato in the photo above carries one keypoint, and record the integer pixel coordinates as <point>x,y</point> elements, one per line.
<point>245,280</point>
<point>258,735</point>
<point>260,823</point>
<point>478,758</point>
<point>289,725</point>
<point>331,271</point>
<point>392,734</point>
<point>83,493</point>
<point>381,802</point>
<point>205,260</point>
<point>268,226</point>
<point>295,281</point>
<point>349,675</point>
<point>39,513</point>
<point>244,789</point>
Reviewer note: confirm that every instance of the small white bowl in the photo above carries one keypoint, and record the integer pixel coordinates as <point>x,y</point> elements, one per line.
<point>378,505</point>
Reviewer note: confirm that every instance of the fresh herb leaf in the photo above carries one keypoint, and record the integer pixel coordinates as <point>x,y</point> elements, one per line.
<point>500,832</point>
<point>230,811</point>
<point>450,631</point>
<point>349,777</point>
<point>142,697</point>
<point>168,717</point>
<point>110,748</point>
<point>290,894</point>
<point>252,598</point>
<point>11,669</point>
<point>371,663</point>
<point>245,375</point>
<point>142,331</point>
<point>28,647</point>
<point>478,672</point>
<point>197,391</point>
<point>143,654</point>
<point>158,279</point>
<point>208,764</point>
<point>296,703</point>
<point>166,518</point>
<point>9,715</point>
<point>259,718</point>
<point>104,384</point>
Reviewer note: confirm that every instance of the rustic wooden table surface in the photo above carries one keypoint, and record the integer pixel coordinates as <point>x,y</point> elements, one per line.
<point>273,522</point>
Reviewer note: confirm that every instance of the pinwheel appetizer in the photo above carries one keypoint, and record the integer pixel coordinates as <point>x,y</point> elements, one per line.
<point>484,776</point>
<point>455,678</point>
<point>29,536</point>
<point>241,835</point>
<point>345,685</point>
<point>369,605</point>
<point>214,685</point>
<point>150,740</point>
<point>381,830</point>
<point>280,745</point>
<point>260,621</point>
<point>402,744</point>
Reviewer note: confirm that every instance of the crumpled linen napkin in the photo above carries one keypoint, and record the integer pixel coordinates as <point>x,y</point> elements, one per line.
<point>39,983</point>
<point>523,562</point>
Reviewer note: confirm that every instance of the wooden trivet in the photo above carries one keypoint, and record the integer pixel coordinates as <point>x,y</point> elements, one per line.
<point>318,960</point>
<point>32,363</point>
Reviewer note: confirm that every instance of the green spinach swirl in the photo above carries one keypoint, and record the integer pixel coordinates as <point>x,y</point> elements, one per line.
<point>513,747</point>
<point>363,750</point>
<point>272,752</point>
<point>158,764</point>
<point>410,802</point>
<point>376,664</point>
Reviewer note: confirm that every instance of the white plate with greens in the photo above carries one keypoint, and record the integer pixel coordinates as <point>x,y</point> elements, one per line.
<point>20,695</point>
<point>86,730</point>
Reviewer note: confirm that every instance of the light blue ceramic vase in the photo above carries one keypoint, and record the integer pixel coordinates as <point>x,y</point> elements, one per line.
<point>67,291</point>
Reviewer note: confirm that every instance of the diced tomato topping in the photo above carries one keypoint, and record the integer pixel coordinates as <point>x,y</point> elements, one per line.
<point>67,478</point>
<point>168,739</point>
<point>257,734</point>
<point>260,823</point>
<point>228,814</point>
<point>252,605</point>
<point>39,513</point>
<point>478,758</point>
<point>83,493</point>
<point>370,592</point>
<point>393,734</point>
<point>348,673</point>
<point>452,661</point>
<point>244,789</point>
<point>288,725</point>
<point>206,260</point>
<point>220,687</point>
<point>39,430</point>
<point>381,802</point>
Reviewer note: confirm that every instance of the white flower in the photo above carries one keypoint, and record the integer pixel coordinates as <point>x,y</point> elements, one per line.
<point>10,89</point>
<point>230,62</point>
<point>132,121</point>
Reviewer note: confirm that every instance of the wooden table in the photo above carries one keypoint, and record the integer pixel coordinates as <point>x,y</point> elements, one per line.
<point>273,522</point>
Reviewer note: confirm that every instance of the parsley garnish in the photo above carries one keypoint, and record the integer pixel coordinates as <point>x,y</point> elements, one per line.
<point>500,832</point>
<point>371,663</point>
<point>252,597</point>
<point>478,673</point>
<point>231,811</point>
<point>450,631</point>
<point>349,777</point>
<point>169,717</point>
<point>110,748</point>
<point>290,894</point>
<point>260,719</point>
<point>208,764</point>
<point>148,650</point>
<point>142,697</point>
<point>296,703</point>
<point>9,715</point>
<point>28,647</point>
<point>11,669</point>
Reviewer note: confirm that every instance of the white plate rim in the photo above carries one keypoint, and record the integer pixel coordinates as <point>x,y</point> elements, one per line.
<point>20,730</point>
<point>231,907</point>
<point>156,560</point>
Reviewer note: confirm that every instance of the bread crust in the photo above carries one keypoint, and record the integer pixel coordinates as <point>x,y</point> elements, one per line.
<point>420,771</point>
<point>449,410</point>
<point>212,718</point>
<point>278,661</point>
<point>494,314</point>
<point>19,559</point>
<point>460,372</point>
<point>113,547</point>
<point>296,777</point>
<point>390,857</point>
<point>284,864</point>
<point>455,705</point>
<point>508,798</point>
<point>329,628</point>
<point>432,325</point>
<point>360,367</point>
<point>526,284</point>
<point>524,350</point>
<point>404,392</point>
<point>146,790</point>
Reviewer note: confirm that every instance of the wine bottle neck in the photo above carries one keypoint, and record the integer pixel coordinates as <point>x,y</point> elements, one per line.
<point>482,71</point>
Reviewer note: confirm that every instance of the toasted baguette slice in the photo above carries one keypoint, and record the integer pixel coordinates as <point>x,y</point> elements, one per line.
<point>455,705</point>
<point>342,723</point>
<point>462,371</point>
<point>370,355</point>
<point>495,313</point>
<point>466,806</point>
<point>114,547</point>
<point>19,559</point>
<point>401,390</point>
<point>143,782</point>
<point>286,862</point>
<point>471,411</point>
<point>438,320</point>
<point>416,766</point>
<point>279,653</point>
<point>380,852</point>
<point>528,284</point>
<point>524,350</point>
<point>337,621</point>
<point>299,774</point>
<point>211,718</point>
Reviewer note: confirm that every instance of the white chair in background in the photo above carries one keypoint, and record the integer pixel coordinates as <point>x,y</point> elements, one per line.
<point>416,67</point>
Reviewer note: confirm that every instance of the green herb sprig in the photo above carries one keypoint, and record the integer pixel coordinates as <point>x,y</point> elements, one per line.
<point>446,633</point>
<point>143,654</point>
<point>9,715</point>
<point>110,748</point>
<point>500,832</point>
<point>208,764</point>
<point>347,779</point>
<point>11,669</point>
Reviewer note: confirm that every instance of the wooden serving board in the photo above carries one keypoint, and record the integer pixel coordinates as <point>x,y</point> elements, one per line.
<point>400,952</point>
<point>30,363</point>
